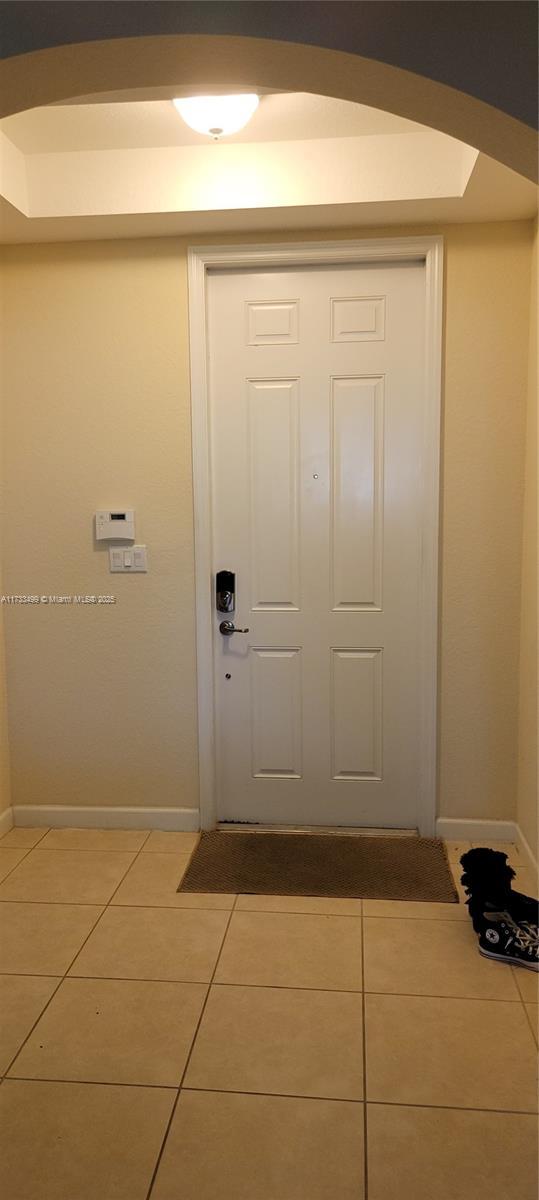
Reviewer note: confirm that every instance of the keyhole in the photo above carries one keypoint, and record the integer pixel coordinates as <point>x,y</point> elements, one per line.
<point>227,676</point>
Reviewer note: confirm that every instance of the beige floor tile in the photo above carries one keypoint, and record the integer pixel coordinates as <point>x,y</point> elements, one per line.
<point>532,1011</point>
<point>237,1147</point>
<point>154,943</point>
<point>222,900</point>
<point>22,999</point>
<point>43,939</point>
<point>24,837</point>
<point>292,950</point>
<point>153,880</point>
<point>415,910</point>
<point>300,904</point>
<point>95,839</point>
<point>75,1141</point>
<point>509,848</point>
<point>427,1153</point>
<point>460,1053</point>
<point>114,1031</point>
<point>67,876</point>
<point>10,858</point>
<point>455,849</point>
<point>171,843</point>
<point>277,1040</point>
<point>527,983</point>
<point>431,958</point>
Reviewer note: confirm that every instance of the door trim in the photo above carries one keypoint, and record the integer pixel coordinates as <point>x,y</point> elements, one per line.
<point>201,259</point>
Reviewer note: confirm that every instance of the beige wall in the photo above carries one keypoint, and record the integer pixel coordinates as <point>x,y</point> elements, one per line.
<point>5,781</point>
<point>527,776</point>
<point>102,700</point>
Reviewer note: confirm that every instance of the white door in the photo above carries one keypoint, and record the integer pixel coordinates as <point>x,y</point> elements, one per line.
<point>317,392</point>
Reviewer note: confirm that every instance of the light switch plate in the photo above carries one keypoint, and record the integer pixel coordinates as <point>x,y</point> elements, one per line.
<point>130,560</point>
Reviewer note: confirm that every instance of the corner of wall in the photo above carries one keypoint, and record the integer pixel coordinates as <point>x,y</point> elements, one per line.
<point>527,798</point>
<point>5,779</point>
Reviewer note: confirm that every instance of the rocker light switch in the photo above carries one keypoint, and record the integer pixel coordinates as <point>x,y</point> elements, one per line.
<point>130,560</point>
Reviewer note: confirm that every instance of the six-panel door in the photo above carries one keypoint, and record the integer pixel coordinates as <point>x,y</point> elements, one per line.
<point>316,398</point>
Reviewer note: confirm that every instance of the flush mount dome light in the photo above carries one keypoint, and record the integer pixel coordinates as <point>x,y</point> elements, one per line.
<point>217,115</point>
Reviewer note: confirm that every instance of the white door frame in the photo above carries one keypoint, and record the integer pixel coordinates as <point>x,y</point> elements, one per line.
<point>200,260</point>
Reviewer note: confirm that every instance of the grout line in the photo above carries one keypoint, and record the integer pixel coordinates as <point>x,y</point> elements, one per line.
<point>21,860</point>
<point>169,1087</point>
<point>72,962</point>
<point>344,1100</point>
<point>32,847</point>
<point>214,908</point>
<point>161,907</point>
<point>68,968</point>
<point>279,986</point>
<point>8,900</point>
<point>199,982</point>
<point>519,1112</point>
<point>524,1005</point>
<point>124,876</point>
<point>262,911</point>
<point>292,912</point>
<point>364,1016</point>
<point>85,849</point>
<point>188,1059</point>
<point>60,982</point>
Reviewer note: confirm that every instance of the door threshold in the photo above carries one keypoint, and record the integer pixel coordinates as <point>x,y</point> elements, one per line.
<point>349,831</point>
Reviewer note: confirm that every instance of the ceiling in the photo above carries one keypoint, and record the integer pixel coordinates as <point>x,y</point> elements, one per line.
<point>145,124</point>
<point>128,166</point>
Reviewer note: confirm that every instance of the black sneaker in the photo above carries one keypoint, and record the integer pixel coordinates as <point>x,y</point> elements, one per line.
<point>506,940</point>
<point>507,922</point>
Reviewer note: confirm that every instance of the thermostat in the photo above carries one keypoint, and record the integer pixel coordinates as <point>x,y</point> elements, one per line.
<point>114,524</point>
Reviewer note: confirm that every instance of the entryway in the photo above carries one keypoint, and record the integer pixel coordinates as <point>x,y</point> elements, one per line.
<point>316,436</point>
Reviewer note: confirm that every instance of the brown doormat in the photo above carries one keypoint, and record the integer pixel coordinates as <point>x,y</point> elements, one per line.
<point>284,864</point>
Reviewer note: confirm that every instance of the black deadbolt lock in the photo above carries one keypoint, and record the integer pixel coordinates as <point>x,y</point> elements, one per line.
<point>225,591</point>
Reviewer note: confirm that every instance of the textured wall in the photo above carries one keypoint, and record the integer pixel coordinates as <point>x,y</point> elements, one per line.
<point>5,783</point>
<point>527,777</point>
<point>102,700</point>
<point>486,357</point>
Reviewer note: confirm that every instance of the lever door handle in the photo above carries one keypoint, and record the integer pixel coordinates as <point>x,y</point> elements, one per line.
<point>228,627</point>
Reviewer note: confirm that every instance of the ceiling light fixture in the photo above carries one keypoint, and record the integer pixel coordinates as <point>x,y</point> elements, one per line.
<point>217,115</point>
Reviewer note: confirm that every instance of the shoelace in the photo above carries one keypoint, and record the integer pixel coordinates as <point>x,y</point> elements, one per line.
<point>532,932</point>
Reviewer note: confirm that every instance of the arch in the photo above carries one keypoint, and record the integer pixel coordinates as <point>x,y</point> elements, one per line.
<point>89,68</point>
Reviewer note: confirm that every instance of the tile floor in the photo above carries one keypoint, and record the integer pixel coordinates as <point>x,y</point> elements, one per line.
<point>215,1047</point>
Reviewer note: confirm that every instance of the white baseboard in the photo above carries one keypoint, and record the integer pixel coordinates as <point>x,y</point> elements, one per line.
<point>461,829</point>
<point>62,816</point>
<point>6,821</point>
<point>71,816</point>
<point>465,830</point>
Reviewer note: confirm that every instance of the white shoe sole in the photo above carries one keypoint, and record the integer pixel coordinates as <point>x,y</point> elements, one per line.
<point>517,962</point>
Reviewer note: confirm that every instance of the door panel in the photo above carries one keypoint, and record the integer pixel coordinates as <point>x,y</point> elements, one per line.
<point>276,708</point>
<point>316,381</point>
<point>356,492</point>
<point>356,714</point>
<point>273,500</point>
